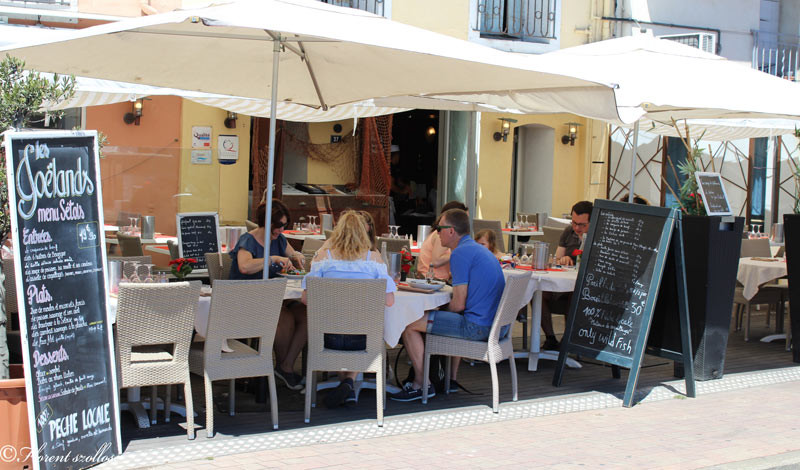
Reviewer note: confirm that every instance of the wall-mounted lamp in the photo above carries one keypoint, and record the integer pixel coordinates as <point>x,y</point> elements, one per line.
<point>431,131</point>
<point>505,128</point>
<point>135,114</point>
<point>572,134</point>
<point>230,121</point>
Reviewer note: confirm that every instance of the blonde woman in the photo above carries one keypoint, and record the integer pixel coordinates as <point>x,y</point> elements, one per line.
<point>348,254</point>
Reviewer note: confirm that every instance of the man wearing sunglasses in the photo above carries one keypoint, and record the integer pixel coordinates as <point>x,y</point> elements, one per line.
<point>569,242</point>
<point>478,284</point>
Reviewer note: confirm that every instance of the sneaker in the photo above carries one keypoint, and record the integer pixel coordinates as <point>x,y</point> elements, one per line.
<point>409,393</point>
<point>551,344</point>
<point>337,396</point>
<point>453,386</point>
<point>351,397</point>
<point>291,379</point>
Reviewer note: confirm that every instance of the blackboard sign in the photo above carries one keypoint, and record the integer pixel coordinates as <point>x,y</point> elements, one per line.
<point>59,259</point>
<point>197,235</point>
<point>713,192</point>
<point>618,282</point>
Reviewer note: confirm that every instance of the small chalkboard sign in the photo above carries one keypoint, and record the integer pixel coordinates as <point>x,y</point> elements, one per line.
<point>59,260</point>
<point>198,235</point>
<point>618,282</point>
<point>713,192</point>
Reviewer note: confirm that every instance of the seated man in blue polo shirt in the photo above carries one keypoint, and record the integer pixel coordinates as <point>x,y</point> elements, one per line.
<point>478,284</point>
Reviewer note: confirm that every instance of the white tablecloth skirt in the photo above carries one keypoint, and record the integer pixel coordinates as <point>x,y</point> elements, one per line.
<point>754,273</point>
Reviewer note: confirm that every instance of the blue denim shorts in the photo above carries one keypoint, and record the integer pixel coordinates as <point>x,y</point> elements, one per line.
<point>455,325</point>
<point>345,342</point>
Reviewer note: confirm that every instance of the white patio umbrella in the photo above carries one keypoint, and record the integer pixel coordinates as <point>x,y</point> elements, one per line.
<point>316,54</point>
<point>659,80</point>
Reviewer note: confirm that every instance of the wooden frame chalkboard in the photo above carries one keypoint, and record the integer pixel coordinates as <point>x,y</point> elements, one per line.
<point>198,234</point>
<point>618,282</point>
<point>55,202</point>
<point>712,190</point>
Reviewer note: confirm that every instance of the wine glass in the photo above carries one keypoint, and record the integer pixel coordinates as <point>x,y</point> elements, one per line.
<point>134,277</point>
<point>149,277</point>
<point>313,227</point>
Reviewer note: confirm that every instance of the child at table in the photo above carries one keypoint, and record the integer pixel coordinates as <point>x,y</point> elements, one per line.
<point>487,238</point>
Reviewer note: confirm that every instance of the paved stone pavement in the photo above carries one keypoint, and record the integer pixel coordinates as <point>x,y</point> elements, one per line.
<point>753,428</point>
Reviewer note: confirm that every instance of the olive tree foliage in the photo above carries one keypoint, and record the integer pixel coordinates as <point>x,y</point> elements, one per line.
<point>22,94</point>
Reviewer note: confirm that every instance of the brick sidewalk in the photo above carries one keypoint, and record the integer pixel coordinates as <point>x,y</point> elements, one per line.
<point>713,429</point>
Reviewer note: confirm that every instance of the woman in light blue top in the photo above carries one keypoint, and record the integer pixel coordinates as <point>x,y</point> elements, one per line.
<point>348,255</point>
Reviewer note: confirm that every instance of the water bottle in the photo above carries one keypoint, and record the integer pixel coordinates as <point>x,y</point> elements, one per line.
<point>429,274</point>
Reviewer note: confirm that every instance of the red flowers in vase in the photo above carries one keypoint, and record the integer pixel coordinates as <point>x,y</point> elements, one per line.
<point>182,267</point>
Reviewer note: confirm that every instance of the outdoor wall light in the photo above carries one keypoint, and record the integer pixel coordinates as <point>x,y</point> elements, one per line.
<point>230,121</point>
<point>571,135</point>
<point>505,128</point>
<point>135,114</point>
<point>431,131</point>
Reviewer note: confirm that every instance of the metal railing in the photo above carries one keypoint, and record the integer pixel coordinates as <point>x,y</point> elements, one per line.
<point>776,54</point>
<point>519,20</point>
<point>372,6</point>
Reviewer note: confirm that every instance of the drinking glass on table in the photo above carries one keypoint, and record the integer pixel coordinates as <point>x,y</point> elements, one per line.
<point>313,224</point>
<point>149,277</point>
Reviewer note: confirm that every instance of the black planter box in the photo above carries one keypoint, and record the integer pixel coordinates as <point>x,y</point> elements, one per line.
<point>791,230</point>
<point>711,257</point>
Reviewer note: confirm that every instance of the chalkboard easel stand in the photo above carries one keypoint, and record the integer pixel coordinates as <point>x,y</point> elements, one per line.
<point>670,245</point>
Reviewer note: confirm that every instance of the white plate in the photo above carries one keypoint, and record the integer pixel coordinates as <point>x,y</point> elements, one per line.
<point>423,284</point>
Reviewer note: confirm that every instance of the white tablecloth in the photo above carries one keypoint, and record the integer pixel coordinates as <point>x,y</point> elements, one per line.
<point>754,273</point>
<point>409,307</point>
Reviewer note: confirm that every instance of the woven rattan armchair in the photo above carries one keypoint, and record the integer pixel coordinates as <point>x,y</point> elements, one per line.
<point>394,245</point>
<point>154,330</point>
<point>492,351</point>
<point>219,266</point>
<point>494,225</point>
<point>346,306</point>
<point>129,245</point>
<point>239,309</point>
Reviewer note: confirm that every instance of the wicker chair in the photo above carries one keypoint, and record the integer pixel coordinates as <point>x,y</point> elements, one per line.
<point>150,316</point>
<point>129,245</point>
<point>494,225</point>
<point>551,236</point>
<point>310,247</point>
<point>327,233</point>
<point>394,245</point>
<point>250,225</point>
<point>492,351</point>
<point>239,309</point>
<point>219,266</point>
<point>346,306</point>
<point>770,293</point>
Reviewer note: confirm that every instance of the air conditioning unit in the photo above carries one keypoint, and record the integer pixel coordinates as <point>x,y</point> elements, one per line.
<point>704,41</point>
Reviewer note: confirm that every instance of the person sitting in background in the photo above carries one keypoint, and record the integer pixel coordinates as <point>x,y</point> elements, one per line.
<point>487,238</point>
<point>248,263</point>
<point>432,253</point>
<point>570,240</point>
<point>349,255</point>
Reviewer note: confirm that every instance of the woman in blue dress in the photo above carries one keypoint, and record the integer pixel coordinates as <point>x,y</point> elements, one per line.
<point>348,254</point>
<point>248,263</point>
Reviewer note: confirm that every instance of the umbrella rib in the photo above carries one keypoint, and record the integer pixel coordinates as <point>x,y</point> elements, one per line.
<point>301,52</point>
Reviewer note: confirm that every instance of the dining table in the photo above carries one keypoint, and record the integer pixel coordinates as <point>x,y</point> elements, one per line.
<point>303,234</point>
<point>754,272</point>
<point>549,280</point>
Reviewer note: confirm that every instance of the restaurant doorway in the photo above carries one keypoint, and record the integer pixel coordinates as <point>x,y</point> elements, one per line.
<point>414,168</point>
<point>532,178</point>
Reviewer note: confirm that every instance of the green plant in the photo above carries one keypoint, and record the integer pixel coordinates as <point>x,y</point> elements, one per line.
<point>182,267</point>
<point>689,198</point>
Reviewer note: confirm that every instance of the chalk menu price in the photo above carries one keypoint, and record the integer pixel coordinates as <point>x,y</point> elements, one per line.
<point>197,235</point>
<point>713,192</point>
<point>616,285</point>
<point>54,194</point>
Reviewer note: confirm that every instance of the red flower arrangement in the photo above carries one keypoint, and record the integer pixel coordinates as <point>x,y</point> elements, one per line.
<point>576,252</point>
<point>407,260</point>
<point>182,267</point>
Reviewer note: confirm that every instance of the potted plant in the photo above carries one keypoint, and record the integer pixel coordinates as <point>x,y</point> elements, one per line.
<point>791,230</point>
<point>711,249</point>
<point>182,267</point>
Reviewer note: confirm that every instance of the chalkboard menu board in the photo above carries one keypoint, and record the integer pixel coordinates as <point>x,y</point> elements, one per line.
<point>713,192</point>
<point>197,235</point>
<point>59,259</point>
<point>617,287</point>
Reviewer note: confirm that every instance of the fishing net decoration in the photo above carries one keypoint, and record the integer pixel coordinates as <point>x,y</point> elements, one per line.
<point>376,143</point>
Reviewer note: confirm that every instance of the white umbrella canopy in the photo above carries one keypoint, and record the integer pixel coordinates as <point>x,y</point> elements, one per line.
<point>333,55</point>
<point>354,55</point>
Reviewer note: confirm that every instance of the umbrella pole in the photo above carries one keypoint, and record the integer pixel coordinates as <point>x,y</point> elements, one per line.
<point>273,112</point>
<point>633,160</point>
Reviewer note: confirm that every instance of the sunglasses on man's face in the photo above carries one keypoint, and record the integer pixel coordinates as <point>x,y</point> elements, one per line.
<point>439,228</point>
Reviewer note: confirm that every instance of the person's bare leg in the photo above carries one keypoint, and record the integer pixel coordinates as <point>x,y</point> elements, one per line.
<point>454,363</point>
<point>415,347</point>
<point>299,320</point>
<point>283,337</point>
